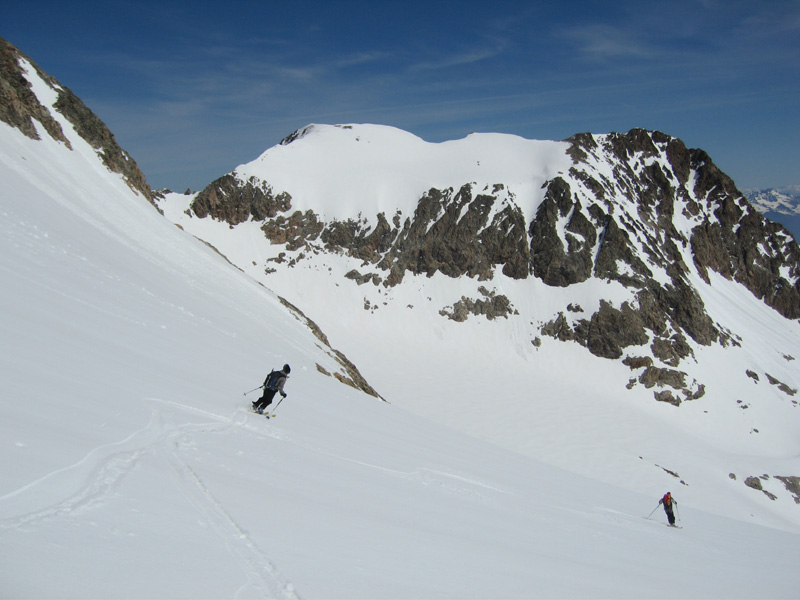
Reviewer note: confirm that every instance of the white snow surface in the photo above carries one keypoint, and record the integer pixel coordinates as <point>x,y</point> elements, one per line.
<point>132,468</point>
<point>376,168</point>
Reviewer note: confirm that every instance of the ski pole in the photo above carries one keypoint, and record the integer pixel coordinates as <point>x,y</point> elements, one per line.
<point>251,391</point>
<point>278,404</point>
<point>654,510</point>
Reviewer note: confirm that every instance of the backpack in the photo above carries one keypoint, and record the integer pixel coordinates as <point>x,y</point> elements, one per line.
<point>667,499</point>
<point>272,380</point>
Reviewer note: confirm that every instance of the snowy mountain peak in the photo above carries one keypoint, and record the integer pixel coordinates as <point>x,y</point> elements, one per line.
<point>365,132</point>
<point>781,205</point>
<point>781,200</point>
<point>638,209</point>
<point>620,265</point>
<point>339,171</point>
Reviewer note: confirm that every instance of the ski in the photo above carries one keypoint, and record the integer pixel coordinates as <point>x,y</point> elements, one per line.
<point>265,414</point>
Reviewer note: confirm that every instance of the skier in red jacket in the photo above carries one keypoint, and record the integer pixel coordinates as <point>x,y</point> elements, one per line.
<point>668,501</point>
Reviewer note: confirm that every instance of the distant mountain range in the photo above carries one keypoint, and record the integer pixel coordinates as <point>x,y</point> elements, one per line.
<point>779,204</point>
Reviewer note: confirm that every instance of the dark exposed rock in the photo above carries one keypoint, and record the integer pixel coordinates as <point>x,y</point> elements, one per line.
<point>682,306</point>
<point>753,482</point>
<point>231,201</point>
<point>781,386</point>
<point>559,328</point>
<point>654,376</point>
<point>491,306</point>
<point>350,237</point>
<point>667,396</point>
<point>350,375</point>
<point>93,130</point>
<point>295,231</point>
<point>362,279</point>
<point>699,393</point>
<point>638,362</point>
<point>734,246</point>
<point>792,486</point>
<point>615,248</point>
<point>671,351</point>
<point>610,330</point>
<point>19,106</point>
<point>551,261</point>
<point>451,233</point>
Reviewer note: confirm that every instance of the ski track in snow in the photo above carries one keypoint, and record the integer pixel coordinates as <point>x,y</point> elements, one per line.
<point>452,482</point>
<point>261,571</point>
<point>113,462</point>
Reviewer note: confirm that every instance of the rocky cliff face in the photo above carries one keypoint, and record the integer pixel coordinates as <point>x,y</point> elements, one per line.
<point>639,208</point>
<point>20,108</point>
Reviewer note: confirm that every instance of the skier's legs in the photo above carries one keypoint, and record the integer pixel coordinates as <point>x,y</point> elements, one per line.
<point>264,401</point>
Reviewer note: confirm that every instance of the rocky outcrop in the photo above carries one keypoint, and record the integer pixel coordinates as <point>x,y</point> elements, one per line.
<point>491,306</point>
<point>19,107</point>
<point>660,178</point>
<point>233,201</point>
<point>555,261</point>
<point>349,373</point>
<point>451,233</point>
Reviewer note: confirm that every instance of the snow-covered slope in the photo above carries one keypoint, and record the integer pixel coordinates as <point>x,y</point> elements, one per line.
<point>131,468</point>
<point>499,379</point>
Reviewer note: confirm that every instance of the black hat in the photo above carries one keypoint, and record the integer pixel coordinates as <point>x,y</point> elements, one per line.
<point>287,369</point>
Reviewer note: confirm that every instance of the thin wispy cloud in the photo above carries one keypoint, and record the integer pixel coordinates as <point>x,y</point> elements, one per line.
<point>468,57</point>
<point>603,42</point>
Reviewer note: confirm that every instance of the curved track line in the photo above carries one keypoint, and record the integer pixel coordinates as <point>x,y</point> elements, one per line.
<point>261,571</point>
<point>102,470</point>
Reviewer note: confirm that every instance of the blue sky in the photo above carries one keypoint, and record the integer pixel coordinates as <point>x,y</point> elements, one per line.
<point>193,89</point>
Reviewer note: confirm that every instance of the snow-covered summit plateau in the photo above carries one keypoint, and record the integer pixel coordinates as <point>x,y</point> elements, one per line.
<point>343,170</point>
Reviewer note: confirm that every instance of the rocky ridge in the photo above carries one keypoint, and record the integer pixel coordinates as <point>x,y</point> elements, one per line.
<point>21,108</point>
<point>637,208</point>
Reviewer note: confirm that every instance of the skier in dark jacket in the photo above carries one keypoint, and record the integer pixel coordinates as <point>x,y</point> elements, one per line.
<point>273,384</point>
<point>668,501</point>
